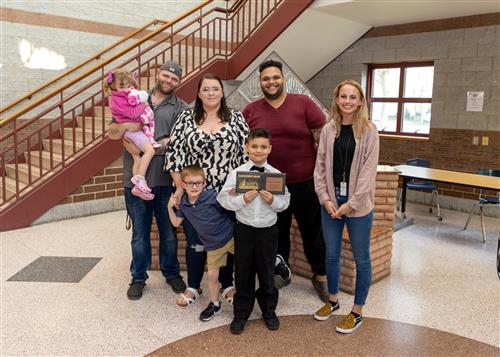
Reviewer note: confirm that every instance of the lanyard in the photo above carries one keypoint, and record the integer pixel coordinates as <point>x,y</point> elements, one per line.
<point>342,157</point>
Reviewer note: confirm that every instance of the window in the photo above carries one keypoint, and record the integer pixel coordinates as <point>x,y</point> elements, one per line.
<point>400,97</point>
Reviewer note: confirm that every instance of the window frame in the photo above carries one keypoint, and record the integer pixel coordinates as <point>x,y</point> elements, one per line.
<point>400,100</point>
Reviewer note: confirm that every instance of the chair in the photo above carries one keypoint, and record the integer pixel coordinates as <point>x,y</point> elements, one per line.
<point>484,200</point>
<point>424,185</point>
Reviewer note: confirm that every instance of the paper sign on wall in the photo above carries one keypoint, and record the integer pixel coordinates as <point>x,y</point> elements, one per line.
<point>475,101</point>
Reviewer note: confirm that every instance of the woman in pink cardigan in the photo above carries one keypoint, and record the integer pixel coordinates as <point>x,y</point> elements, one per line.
<point>344,178</point>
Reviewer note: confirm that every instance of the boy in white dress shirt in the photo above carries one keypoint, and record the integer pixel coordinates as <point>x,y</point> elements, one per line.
<point>255,236</point>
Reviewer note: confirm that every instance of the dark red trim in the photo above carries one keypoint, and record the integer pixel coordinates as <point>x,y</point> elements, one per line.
<point>49,193</point>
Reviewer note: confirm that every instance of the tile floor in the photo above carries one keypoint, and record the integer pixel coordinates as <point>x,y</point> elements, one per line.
<point>441,277</point>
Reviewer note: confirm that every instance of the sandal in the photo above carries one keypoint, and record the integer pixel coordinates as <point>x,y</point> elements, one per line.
<point>141,184</point>
<point>226,296</point>
<point>143,195</point>
<point>189,300</point>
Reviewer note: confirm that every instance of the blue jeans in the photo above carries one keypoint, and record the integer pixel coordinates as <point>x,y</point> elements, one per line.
<point>196,256</point>
<point>141,213</point>
<point>359,229</point>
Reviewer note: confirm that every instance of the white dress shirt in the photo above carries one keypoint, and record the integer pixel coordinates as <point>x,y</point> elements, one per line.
<point>256,213</point>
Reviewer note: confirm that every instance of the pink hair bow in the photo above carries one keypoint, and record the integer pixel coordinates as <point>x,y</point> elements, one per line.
<point>110,77</point>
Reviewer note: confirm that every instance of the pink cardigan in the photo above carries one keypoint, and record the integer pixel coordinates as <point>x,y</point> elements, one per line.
<point>363,170</point>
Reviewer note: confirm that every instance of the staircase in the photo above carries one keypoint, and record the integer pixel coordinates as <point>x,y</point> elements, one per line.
<point>51,143</point>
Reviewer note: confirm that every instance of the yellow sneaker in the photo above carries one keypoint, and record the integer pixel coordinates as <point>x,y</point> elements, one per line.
<point>349,323</point>
<point>325,312</point>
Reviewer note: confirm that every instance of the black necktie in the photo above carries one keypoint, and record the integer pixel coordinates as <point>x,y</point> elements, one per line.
<point>256,168</point>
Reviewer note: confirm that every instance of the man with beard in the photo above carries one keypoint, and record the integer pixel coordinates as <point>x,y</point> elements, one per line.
<point>295,123</point>
<point>166,107</point>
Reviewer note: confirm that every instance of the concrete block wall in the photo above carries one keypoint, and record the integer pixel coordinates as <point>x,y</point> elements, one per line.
<point>75,30</point>
<point>465,59</point>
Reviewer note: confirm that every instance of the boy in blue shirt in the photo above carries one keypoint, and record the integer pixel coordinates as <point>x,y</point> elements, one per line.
<point>214,226</point>
<point>255,236</point>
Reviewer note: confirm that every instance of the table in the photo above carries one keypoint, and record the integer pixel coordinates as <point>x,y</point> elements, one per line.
<point>438,175</point>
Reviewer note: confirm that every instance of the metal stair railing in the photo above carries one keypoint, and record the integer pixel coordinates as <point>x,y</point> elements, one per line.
<point>70,119</point>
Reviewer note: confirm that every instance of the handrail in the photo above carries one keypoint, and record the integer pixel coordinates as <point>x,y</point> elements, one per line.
<point>201,37</point>
<point>26,109</point>
<point>80,65</point>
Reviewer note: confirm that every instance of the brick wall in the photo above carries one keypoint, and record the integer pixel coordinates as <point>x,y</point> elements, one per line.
<point>107,183</point>
<point>380,245</point>
<point>464,59</point>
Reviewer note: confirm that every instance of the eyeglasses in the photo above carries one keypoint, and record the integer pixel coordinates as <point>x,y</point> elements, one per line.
<point>194,184</point>
<point>210,89</point>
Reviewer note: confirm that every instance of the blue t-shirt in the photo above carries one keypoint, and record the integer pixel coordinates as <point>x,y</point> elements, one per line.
<point>213,223</point>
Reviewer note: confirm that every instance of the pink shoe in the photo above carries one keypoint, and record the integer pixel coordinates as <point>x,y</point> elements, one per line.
<point>146,196</point>
<point>141,183</point>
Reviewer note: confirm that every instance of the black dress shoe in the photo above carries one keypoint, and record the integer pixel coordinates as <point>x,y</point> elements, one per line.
<point>237,326</point>
<point>272,322</point>
<point>134,291</point>
<point>177,284</point>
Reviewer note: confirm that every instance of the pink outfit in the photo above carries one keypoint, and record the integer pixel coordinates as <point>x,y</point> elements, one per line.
<point>126,106</point>
<point>363,170</point>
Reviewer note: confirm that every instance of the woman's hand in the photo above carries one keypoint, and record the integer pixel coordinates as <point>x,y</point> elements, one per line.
<point>266,196</point>
<point>330,208</point>
<point>343,210</point>
<point>176,196</point>
<point>250,196</point>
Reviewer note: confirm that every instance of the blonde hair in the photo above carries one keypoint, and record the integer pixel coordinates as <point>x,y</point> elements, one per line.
<point>192,170</point>
<point>116,78</point>
<point>361,120</point>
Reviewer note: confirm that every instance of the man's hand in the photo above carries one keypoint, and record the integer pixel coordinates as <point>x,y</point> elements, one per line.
<point>266,196</point>
<point>250,196</point>
<point>116,131</point>
<point>130,147</point>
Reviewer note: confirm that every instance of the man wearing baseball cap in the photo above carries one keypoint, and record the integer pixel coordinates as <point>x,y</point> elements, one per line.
<point>166,107</point>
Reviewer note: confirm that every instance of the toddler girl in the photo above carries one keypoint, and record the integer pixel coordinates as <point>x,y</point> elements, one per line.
<point>130,105</point>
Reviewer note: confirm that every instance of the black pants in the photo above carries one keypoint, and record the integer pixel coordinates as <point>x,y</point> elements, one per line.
<point>304,205</point>
<point>255,253</point>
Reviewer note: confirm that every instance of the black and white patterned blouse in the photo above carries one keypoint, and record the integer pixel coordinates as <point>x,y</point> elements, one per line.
<point>217,154</point>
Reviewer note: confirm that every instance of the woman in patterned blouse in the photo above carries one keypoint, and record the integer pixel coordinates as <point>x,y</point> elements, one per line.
<point>212,136</point>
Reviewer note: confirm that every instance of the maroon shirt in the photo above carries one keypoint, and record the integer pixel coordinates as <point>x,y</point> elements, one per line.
<point>294,150</point>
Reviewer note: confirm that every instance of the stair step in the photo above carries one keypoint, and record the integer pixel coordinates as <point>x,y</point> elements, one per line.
<point>23,172</point>
<point>10,187</point>
<point>89,136</point>
<point>98,112</point>
<point>96,120</point>
<point>57,146</point>
<point>35,158</point>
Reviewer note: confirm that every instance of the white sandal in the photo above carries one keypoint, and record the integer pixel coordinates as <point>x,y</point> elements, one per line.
<point>189,300</point>
<point>224,293</point>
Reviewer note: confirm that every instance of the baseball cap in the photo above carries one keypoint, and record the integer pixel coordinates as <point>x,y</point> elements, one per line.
<point>173,67</point>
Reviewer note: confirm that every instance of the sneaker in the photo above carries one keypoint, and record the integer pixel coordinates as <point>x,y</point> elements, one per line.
<point>134,291</point>
<point>282,272</point>
<point>272,322</point>
<point>177,284</point>
<point>325,312</point>
<point>237,326</point>
<point>349,323</point>
<point>210,312</point>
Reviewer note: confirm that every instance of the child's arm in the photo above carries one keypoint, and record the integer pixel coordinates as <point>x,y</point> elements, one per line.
<point>127,106</point>
<point>174,219</point>
<point>226,198</point>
